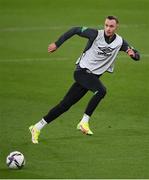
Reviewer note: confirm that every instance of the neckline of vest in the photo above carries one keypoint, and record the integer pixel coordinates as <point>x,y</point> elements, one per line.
<point>107,38</point>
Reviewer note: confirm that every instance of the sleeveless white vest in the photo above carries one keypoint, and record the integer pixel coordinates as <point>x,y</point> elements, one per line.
<point>100,56</point>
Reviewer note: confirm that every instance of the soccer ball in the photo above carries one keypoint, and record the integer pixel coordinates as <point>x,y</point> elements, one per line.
<point>15,160</point>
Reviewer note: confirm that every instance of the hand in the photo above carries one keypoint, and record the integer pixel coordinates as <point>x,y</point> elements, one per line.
<point>130,52</point>
<point>52,47</point>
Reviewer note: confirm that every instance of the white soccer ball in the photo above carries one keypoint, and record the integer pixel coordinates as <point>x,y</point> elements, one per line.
<point>15,160</point>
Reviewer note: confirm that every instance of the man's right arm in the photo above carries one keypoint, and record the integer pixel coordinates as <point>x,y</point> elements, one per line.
<point>88,33</point>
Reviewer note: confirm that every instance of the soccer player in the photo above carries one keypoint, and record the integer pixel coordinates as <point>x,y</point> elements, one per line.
<point>97,58</point>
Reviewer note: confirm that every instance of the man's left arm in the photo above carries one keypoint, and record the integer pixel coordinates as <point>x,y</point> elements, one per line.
<point>133,53</point>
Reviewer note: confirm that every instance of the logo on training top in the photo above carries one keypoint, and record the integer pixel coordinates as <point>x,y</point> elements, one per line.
<point>106,51</point>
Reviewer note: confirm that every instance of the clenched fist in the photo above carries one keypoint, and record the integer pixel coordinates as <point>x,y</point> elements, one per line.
<point>52,47</point>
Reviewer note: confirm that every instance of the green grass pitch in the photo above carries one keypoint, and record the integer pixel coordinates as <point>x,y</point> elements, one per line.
<point>32,81</point>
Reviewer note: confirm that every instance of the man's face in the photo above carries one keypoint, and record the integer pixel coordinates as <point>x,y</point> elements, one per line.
<point>110,27</point>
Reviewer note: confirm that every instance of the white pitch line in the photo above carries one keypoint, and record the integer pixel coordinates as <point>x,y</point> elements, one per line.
<point>34,59</point>
<point>38,28</point>
<point>56,58</point>
<point>16,29</point>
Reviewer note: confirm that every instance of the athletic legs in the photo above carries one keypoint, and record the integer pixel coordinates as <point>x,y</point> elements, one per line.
<point>84,81</point>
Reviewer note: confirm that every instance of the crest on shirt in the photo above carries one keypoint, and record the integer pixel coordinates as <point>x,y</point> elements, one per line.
<point>106,51</point>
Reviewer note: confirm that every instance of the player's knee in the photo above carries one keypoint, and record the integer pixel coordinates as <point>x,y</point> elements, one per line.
<point>101,93</point>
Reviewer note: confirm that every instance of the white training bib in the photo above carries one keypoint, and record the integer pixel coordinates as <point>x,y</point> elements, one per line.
<point>100,56</point>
